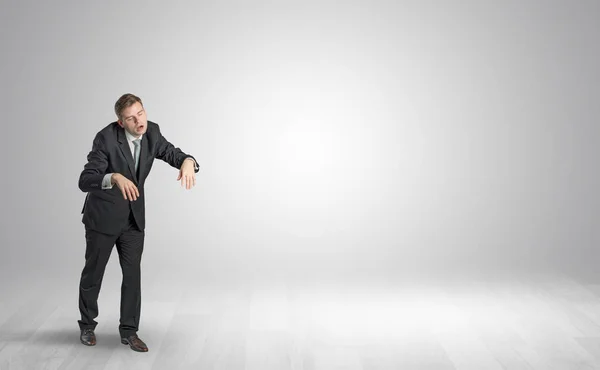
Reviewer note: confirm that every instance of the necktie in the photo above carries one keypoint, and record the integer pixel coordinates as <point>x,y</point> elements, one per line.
<point>136,154</point>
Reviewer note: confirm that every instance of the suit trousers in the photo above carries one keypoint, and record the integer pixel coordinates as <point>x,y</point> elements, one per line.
<point>130,245</point>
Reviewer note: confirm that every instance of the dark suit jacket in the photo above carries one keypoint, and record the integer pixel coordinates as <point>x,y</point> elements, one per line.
<point>107,211</point>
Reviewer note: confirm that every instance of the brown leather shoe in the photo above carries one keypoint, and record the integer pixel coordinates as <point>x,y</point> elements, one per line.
<point>88,337</point>
<point>135,343</point>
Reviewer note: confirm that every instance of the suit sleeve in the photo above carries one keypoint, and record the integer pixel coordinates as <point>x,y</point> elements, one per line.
<point>94,170</point>
<point>168,153</point>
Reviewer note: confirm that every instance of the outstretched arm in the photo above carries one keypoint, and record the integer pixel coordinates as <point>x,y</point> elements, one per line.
<point>168,153</point>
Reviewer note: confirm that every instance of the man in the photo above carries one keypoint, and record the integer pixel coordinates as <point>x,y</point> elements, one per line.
<point>122,154</point>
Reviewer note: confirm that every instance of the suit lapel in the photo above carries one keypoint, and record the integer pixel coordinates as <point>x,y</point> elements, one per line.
<point>124,146</point>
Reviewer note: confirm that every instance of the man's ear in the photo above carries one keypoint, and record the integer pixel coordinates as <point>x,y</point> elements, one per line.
<point>120,123</point>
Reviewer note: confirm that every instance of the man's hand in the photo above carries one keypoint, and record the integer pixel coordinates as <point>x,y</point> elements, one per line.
<point>187,174</point>
<point>128,188</point>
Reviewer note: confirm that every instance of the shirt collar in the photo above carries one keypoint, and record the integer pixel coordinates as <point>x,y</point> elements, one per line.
<point>130,137</point>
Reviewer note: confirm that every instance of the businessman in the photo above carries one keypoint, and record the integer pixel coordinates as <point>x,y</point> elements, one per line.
<point>114,214</point>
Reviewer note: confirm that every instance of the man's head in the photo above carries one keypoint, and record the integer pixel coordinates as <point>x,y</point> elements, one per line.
<point>131,114</point>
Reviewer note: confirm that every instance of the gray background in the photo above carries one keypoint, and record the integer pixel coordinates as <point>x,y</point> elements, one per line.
<point>334,138</point>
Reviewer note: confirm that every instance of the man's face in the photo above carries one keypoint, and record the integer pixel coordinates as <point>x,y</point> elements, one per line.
<point>133,119</point>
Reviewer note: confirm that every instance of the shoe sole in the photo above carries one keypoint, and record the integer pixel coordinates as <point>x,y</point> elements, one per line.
<point>124,341</point>
<point>87,343</point>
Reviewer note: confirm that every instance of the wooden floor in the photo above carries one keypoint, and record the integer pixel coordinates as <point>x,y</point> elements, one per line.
<point>535,322</point>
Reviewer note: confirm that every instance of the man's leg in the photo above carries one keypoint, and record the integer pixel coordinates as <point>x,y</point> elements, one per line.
<point>130,245</point>
<point>97,254</point>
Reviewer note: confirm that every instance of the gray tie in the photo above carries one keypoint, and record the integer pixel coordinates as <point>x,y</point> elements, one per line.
<point>136,155</point>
